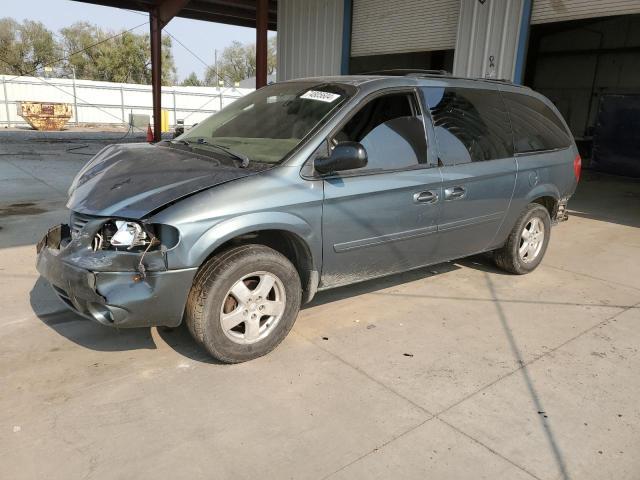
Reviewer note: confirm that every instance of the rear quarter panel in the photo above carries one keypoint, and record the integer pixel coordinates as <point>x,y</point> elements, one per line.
<point>545,174</point>
<point>541,174</point>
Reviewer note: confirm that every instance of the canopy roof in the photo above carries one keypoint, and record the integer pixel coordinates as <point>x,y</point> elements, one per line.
<point>231,12</point>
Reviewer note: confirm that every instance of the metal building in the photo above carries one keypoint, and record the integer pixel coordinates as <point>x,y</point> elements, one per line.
<point>579,53</point>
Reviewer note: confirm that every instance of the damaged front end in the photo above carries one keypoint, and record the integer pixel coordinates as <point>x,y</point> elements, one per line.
<point>115,271</point>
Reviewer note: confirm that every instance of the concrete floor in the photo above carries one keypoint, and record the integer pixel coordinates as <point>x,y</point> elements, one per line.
<point>454,371</point>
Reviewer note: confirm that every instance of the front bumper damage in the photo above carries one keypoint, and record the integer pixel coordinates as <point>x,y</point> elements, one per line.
<point>106,286</point>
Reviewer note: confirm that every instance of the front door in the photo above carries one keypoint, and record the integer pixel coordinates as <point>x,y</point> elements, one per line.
<point>475,147</point>
<point>381,218</point>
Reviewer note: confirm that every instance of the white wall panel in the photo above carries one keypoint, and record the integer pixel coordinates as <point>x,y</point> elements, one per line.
<point>399,26</point>
<point>487,39</point>
<point>309,38</point>
<point>111,103</point>
<point>545,11</point>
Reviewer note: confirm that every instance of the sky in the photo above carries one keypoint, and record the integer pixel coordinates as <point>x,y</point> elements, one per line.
<point>201,37</point>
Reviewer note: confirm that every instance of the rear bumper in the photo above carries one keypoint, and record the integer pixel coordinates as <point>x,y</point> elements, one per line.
<point>117,299</point>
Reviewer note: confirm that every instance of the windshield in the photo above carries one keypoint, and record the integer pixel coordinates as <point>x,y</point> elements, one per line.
<point>267,124</point>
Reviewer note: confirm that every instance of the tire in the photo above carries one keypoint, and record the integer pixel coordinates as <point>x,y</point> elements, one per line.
<point>265,302</point>
<point>509,257</point>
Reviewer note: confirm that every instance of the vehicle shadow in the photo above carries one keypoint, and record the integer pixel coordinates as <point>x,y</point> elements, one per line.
<point>91,335</point>
<point>480,262</point>
<point>368,286</point>
<point>53,313</point>
<point>180,340</point>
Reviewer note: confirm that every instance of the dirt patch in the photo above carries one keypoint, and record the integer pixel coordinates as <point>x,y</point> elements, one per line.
<point>21,209</point>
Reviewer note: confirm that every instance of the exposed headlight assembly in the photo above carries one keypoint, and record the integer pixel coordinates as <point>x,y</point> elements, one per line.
<point>124,235</point>
<point>134,236</point>
<point>129,234</point>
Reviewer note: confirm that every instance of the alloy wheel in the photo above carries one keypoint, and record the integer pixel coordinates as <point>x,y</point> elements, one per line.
<point>531,240</point>
<point>253,307</point>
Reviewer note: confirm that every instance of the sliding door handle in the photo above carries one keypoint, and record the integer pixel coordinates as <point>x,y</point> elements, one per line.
<point>454,193</point>
<point>425,197</point>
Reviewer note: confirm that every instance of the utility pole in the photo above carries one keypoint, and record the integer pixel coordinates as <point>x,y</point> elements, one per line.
<point>215,63</point>
<point>75,97</point>
<point>218,84</point>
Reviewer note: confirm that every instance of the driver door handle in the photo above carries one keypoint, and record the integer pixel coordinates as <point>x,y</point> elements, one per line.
<point>454,193</point>
<point>425,197</point>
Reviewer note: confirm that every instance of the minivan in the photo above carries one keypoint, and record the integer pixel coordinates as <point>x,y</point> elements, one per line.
<point>303,186</point>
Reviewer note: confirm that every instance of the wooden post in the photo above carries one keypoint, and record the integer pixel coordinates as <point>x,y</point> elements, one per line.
<point>156,73</point>
<point>262,17</point>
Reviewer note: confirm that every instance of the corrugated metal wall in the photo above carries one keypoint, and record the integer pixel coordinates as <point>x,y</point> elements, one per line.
<point>545,11</point>
<point>309,38</point>
<point>488,38</point>
<point>398,26</point>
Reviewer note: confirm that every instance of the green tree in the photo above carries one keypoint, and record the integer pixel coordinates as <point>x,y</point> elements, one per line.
<point>238,62</point>
<point>124,58</point>
<point>25,48</point>
<point>80,37</point>
<point>272,55</point>
<point>192,81</point>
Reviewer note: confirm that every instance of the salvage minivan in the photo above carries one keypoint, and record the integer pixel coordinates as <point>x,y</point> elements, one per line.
<point>308,185</point>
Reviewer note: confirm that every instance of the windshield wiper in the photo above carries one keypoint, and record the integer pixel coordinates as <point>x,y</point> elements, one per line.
<point>244,160</point>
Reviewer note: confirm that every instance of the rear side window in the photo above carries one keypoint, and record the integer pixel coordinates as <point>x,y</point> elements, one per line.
<point>535,126</point>
<point>471,125</point>
<point>391,129</point>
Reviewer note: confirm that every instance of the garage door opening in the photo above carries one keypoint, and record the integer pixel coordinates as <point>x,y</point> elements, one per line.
<point>585,67</point>
<point>434,60</point>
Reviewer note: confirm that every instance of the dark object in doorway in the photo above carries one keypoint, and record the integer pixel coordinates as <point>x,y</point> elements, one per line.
<point>616,143</point>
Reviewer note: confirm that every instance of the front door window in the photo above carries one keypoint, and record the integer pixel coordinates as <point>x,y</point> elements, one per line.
<point>391,129</point>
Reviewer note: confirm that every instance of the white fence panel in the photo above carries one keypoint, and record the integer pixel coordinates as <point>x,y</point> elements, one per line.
<point>111,103</point>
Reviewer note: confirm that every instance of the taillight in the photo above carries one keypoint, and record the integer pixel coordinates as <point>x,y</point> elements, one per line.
<point>577,167</point>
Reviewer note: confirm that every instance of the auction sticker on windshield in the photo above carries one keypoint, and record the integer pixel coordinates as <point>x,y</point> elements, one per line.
<point>320,96</point>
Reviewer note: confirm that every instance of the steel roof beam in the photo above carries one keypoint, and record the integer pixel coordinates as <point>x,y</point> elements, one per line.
<point>167,9</point>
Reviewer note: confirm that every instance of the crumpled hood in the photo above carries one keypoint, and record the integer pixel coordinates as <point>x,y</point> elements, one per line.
<point>132,180</point>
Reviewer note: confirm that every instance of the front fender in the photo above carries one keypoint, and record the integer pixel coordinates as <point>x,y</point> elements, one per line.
<point>252,222</point>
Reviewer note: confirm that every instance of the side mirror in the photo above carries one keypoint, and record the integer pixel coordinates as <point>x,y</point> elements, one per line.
<point>344,156</point>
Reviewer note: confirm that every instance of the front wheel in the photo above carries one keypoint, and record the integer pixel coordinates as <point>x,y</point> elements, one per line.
<point>243,302</point>
<point>527,242</point>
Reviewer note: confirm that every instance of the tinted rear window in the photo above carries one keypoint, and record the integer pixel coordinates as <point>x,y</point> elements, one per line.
<point>471,125</point>
<point>535,126</point>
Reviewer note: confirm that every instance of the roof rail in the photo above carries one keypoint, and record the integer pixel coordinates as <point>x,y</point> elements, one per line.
<point>423,73</point>
<point>497,80</point>
<point>407,72</point>
<point>418,73</point>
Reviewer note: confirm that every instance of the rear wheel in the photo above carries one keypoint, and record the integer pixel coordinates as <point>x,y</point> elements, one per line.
<point>243,302</point>
<point>527,242</point>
